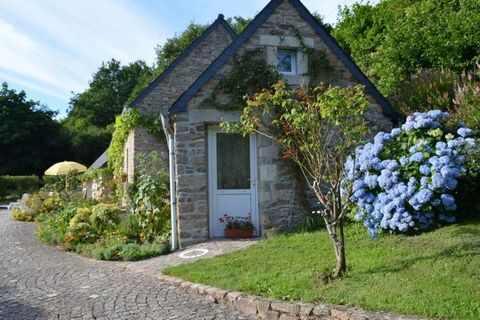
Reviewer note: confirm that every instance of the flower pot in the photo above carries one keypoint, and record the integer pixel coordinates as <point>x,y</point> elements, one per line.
<point>238,233</point>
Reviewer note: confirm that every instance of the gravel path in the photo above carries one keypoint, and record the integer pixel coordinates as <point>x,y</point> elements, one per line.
<point>43,282</point>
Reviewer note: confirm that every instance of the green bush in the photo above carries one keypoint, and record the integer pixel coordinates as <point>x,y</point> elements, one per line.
<point>444,90</point>
<point>12,187</point>
<point>52,228</point>
<point>112,248</point>
<point>426,90</point>
<point>80,229</point>
<point>51,204</point>
<point>104,217</point>
<point>312,222</point>
<point>20,215</point>
<point>149,198</point>
<point>112,252</point>
<point>130,228</point>
<point>95,230</point>
<point>82,215</point>
<point>133,251</point>
<point>35,204</point>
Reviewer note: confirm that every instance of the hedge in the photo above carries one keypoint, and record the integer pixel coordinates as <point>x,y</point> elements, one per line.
<point>12,187</point>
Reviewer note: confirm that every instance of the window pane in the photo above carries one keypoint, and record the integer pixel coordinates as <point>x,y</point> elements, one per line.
<point>286,61</point>
<point>233,161</point>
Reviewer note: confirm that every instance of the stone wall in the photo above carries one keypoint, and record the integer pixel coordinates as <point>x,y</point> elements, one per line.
<point>186,72</point>
<point>282,199</point>
<point>140,142</point>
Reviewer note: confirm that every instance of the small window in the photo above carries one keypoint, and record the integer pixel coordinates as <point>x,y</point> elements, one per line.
<point>287,61</point>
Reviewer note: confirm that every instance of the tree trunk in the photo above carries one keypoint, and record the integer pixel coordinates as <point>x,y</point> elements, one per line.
<point>339,245</point>
<point>338,241</point>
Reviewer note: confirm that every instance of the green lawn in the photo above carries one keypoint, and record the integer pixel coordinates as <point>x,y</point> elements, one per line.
<point>436,274</point>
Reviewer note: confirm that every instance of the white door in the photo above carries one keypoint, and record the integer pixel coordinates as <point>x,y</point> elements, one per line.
<point>232,178</point>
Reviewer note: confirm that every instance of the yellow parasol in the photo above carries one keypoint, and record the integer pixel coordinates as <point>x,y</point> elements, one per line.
<point>63,168</point>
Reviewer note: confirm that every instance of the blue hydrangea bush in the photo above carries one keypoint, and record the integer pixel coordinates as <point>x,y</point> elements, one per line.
<point>405,180</point>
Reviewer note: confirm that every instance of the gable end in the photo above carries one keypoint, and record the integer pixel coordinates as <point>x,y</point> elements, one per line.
<point>220,21</point>
<point>181,104</point>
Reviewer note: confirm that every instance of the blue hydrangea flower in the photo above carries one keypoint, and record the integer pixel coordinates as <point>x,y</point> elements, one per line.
<point>464,132</point>
<point>411,188</point>
<point>416,157</point>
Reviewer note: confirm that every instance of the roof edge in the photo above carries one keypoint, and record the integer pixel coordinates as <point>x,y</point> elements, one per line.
<point>220,21</point>
<point>370,88</point>
<point>100,161</point>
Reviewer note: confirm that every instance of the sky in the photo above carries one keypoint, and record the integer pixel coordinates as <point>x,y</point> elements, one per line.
<point>51,48</point>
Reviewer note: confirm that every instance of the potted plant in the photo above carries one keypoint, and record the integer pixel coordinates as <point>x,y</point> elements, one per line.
<point>237,227</point>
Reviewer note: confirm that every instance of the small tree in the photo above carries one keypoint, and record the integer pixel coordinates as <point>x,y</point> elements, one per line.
<point>317,128</point>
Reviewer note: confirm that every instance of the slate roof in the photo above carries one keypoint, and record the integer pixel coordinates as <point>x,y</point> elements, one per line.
<point>219,21</point>
<point>100,162</point>
<point>181,104</point>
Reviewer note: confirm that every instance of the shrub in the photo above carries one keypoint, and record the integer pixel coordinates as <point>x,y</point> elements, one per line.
<point>104,217</point>
<point>467,98</point>
<point>30,206</point>
<point>445,90</point>
<point>112,252</point>
<point>312,222</point>
<point>80,229</point>
<point>52,228</point>
<point>34,202</point>
<point>20,215</point>
<point>51,204</point>
<point>149,198</point>
<point>405,180</point>
<point>81,215</point>
<point>426,90</point>
<point>130,228</point>
<point>113,248</point>
<point>133,252</point>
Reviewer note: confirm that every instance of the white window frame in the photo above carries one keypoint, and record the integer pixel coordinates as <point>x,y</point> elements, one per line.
<point>293,55</point>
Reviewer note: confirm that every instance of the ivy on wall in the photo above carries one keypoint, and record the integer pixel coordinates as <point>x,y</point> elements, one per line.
<point>123,125</point>
<point>250,74</point>
<point>318,62</point>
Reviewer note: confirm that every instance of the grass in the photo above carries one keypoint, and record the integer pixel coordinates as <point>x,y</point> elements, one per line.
<point>436,274</point>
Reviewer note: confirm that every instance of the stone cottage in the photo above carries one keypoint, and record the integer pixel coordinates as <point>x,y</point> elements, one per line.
<point>213,173</point>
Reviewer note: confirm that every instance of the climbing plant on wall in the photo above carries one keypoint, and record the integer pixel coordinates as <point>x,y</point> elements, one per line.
<point>250,73</point>
<point>318,62</point>
<point>124,123</point>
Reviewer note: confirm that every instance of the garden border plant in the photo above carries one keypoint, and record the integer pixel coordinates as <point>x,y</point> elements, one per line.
<point>124,123</point>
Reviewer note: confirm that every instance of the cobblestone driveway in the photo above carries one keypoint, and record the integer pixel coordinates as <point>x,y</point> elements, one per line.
<point>42,282</point>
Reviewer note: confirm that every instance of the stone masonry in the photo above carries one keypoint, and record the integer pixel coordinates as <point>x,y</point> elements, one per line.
<point>279,194</point>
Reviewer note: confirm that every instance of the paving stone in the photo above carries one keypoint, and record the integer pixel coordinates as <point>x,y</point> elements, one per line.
<point>53,284</point>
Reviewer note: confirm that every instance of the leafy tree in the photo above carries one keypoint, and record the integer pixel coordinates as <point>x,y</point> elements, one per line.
<point>317,129</point>
<point>107,93</point>
<point>174,46</point>
<point>31,139</point>
<point>394,39</point>
<point>92,112</point>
